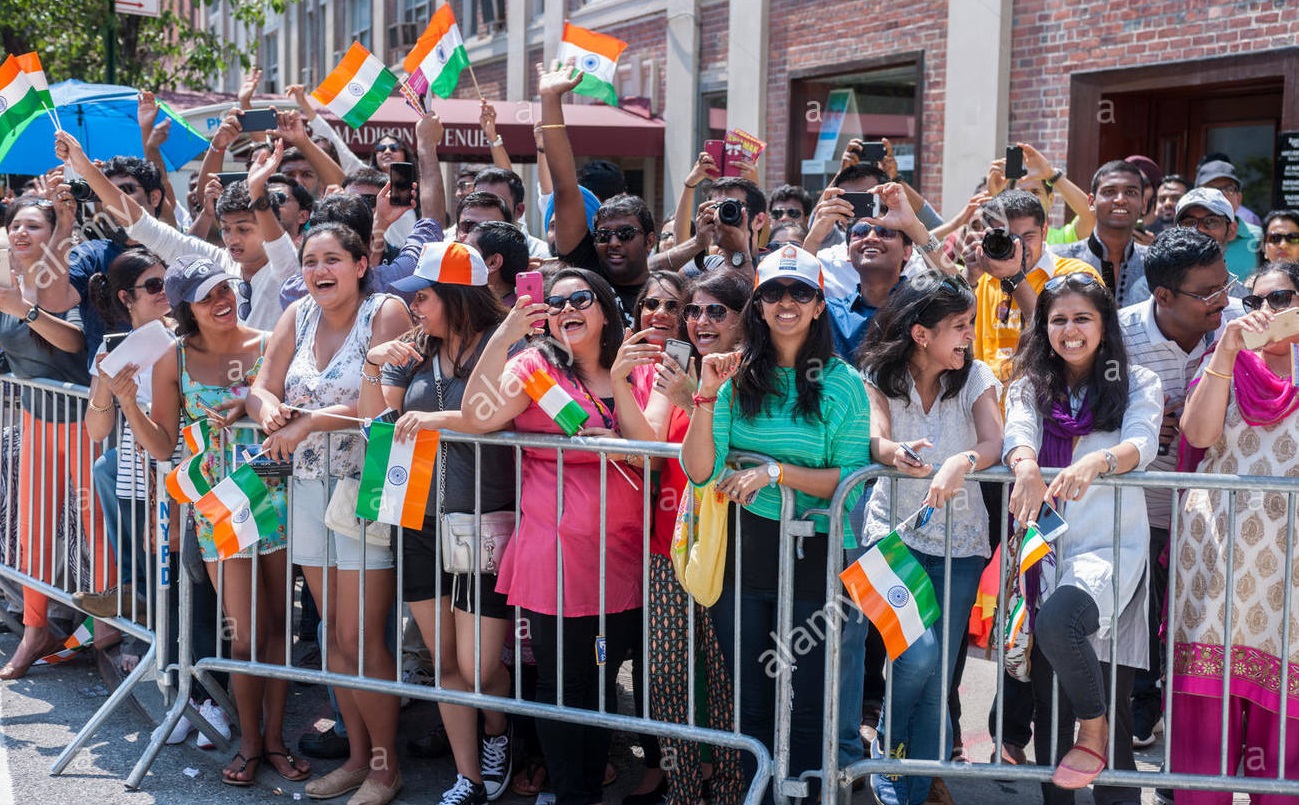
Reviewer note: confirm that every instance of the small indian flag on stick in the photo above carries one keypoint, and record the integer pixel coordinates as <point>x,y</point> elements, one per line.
<point>596,56</point>
<point>356,88</point>
<point>197,436</point>
<point>439,56</point>
<point>1032,549</point>
<point>19,100</point>
<point>557,403</point>
<point>186,483</point>
<point>1015,622</point>
<point>240,511</point>
<point>83,637</point>
<point>397,476</point>
<point>890,586</point>
<point>31,64</point>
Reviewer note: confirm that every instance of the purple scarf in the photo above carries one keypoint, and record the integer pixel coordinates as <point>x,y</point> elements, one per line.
<point>1060,429</point>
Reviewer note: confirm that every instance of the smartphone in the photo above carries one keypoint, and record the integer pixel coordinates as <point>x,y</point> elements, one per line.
<point>228,179</point>
<point>6,276</point>
<point>1050,523</point>
<point>717,150</point>
<point>872,152</point>
<point>911,452</point>
<point>865,205</point>
<point>1015,163</point>
<point>257,120</point>
<point>401,180</point>
<point>1283,325</point>
<point>679,351</point>
<point>921,519</point>
<point>531,284</point>
<point>113,340</point>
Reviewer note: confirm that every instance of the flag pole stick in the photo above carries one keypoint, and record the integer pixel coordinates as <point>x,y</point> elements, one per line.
<point>477,88</point>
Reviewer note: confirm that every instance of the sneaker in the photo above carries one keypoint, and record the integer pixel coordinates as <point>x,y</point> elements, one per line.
<point>180,732</point>
<point>890,789</point>
<point>497,763</point>
<point>464,792</point>
<point>1143,735</point>
<point>217,718</point>
<point>327,745</point>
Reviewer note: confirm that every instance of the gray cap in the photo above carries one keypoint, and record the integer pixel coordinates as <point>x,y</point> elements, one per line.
<point>1217,169</point>
<point>191,278</point>
<point>1210,199</point>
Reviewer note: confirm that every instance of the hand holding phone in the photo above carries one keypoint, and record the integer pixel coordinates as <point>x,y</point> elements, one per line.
<point>872,152</point>
<point>865,205</point>
<point>257,120</point>
<point>717,150</point>
<point>227,179</point>
<point>679,351</point>
<point>1050,523</point>
<point>1283,325</point>
<point>1015,163</point>
<point>401,181</point>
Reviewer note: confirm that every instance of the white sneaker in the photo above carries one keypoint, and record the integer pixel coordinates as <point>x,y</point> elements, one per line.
<point>217,718</point>
<point>180,732</point>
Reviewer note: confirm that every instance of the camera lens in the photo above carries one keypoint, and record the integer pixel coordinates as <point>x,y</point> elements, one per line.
<point>730,212</point>
<point>81,190</point>
<point>998,244</point>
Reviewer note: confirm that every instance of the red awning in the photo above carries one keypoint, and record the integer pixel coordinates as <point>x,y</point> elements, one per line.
<point>594,129</point>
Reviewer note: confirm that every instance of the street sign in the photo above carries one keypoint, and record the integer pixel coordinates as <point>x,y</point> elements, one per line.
<point>141,8</point>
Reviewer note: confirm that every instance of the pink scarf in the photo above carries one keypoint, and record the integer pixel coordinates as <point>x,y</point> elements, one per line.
<point>1263,398</point>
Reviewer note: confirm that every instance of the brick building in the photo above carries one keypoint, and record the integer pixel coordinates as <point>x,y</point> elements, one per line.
<point>950,83</point>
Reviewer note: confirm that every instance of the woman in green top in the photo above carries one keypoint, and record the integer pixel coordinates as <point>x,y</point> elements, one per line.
<point>784,395</point>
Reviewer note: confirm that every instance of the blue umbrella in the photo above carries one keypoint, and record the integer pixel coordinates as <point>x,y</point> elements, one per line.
<point>103,119</point>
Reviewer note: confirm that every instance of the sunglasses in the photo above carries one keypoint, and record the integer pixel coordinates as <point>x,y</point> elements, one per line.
<point>653,303</point>
<point>714,311</point>
<point>153,285</point>
<point>1277,238</point>
<point>580,300</point>
<point>623,233</point>
<point>800,292</point>
<point>1208,222</point>
<point>245,300</point>
<point>389,147</point>
<point>1078,279</point>
<point>863,229</point>
<point>1277,300</point>
<point>793,214</point>
<point>1208,299</point>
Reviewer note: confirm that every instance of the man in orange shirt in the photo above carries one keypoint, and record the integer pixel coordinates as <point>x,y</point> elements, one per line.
<point>1006,291</point>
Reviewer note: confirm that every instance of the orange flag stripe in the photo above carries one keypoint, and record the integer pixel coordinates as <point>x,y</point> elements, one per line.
<point>336,81</point>
<point>877,609</point>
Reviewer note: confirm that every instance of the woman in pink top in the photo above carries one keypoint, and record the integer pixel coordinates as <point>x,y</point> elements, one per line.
<point>581,353</point>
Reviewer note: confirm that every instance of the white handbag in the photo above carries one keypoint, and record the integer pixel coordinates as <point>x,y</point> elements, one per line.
<point>459,537</point>
<point>340,515</point>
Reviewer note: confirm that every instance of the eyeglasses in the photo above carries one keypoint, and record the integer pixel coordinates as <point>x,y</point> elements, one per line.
<point>1277,238</point>
<point>861,230</point>
<point>580,300</point>
<point>623,233</point>
<point>389,147</point>
<point>714,311</point>
<point>245,300</point>
<point>954,283</point>
<point>792,213</point>
<point>1207,222</point>
<point>1277,300</point>
<point>1078,279</point>
<point>465,184</point>
<point>1209,299</point>
<point>653,303</point>
<point>152,285</point>
<point>800,292</point>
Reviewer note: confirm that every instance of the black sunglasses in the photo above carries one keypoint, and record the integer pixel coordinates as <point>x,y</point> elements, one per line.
<point>245,300</point>
<point>1277,300</point>
<point>715,311</point>
<point>653,303</point>
<point>781,212</point>
<point>623,233</point>
<point>800,292</point>
<point>389,147</point>
<point>153,285</point>
<point>861,230</point>
<point>1277,238</point>
<point>1078,279</point>
<point>580,300</point>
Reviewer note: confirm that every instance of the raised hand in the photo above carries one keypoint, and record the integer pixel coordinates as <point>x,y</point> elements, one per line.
<point>147,110</point>
<point>251,79</point>
<point>559,79</point>
<point>298,94</point>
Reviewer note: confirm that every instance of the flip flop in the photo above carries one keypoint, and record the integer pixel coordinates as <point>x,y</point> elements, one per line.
<point>530,780</point>
<point>233,778</point>
<point>1075,777</point>
<point>299,772</point>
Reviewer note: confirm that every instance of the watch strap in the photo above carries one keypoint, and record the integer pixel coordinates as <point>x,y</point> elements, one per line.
<point>1009,284</point>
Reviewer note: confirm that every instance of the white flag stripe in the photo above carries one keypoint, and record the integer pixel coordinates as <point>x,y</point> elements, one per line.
<point>233,498</point>
<point>883,578</point>
<point>370,70</point>
<point>393,498</point>
<point>13,92</point>
<point>446,46</point>
<point>588,61</point>
<point>554,400</point>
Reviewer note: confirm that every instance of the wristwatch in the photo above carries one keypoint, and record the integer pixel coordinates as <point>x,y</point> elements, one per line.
<point>931,245</point>
<point>1009,284</point>
<point>32,314</point>
<point>739,258</point>
<point>773,474</point>
<point>1111,463</point>
<point>262,203</point>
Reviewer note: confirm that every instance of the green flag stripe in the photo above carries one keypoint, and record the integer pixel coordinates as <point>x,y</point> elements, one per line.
<point>906,567</point>
<point>366,107</point>
<point>445,82</point>
<point>374,471</point>
<point>595,88</point>
<point>27,107</point>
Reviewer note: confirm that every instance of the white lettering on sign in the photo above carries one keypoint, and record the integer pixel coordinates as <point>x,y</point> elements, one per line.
<point>453,137</point>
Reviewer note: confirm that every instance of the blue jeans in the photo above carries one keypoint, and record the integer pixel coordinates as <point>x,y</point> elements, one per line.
<point>104,474</point>
<point>917,707</point>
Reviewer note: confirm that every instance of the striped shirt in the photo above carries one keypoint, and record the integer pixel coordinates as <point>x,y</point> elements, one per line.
<point>840,439</point>
<point>1147,346</point>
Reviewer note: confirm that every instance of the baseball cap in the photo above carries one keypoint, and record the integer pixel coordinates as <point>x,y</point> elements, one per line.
<point>1209,198</point>
<point>1217,169</point>
<point>192,278</point>
<point>1148,169</point>
<point>792,262</point>
<point>448,263</point>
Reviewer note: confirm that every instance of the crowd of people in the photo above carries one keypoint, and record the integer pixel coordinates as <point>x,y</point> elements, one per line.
<point>313,292</point>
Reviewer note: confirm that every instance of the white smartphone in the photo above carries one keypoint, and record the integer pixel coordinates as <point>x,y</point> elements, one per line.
<point>5,276</point>
<point>1050,523</point>
<point>1284,325</point>
<point>679,351</point>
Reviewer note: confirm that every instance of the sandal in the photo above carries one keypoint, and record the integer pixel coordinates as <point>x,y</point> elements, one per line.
<point>299,773</point>
<point>234,778</point>
<point>1075,777</point>
<point>530,780</point>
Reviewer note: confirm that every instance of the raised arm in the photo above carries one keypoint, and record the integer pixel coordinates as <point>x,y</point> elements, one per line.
<point>487,121</point>
<point>264,165</point>
<point>290,127</point>
<point>153,135</point>
<point>347,160</point>
<point>1206,407</point>
<point>492,398</point>
<point>1039,167</point>
<point>570,210</point>
<point>432,190</point>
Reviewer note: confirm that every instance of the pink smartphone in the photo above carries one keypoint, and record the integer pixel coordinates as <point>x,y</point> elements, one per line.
<point>530,283</point>
<point>717,150</point>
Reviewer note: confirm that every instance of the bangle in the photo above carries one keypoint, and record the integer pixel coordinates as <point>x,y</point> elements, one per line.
<point>780,479</point>
<point>691,186</point>
<point>973,458</point>
<point>1209,371</point>
<point>498,142</point>
<point>699,398</point>
<point>545,126</point>
<point>708,408</point>
<point>540,150</point>
<point>372,363</point>
<point>371,379</point>
<point>103,409</point>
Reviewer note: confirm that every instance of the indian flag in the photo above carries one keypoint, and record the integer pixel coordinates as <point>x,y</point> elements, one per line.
<point>439,56</point>
<point>31,65</point>
<point>240,511</point>
<point>19,100</point>
<point>596,56</point>
<point>890,586</point>
<point>558,405</point>
<point>186,483</point>
<point>1015,621</point>
<point>1032,549</point>
<point>197,436</point>
<point>83,637</point>
<point>357,86</point>
<point>397,476</point>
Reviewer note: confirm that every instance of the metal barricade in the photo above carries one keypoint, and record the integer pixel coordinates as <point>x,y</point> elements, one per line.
<point>606,454</point>
<point>1227,779</point>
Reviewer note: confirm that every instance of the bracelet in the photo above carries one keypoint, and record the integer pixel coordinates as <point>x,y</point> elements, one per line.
<point>1015,463</point>
<point>707,408</point>
<point>101,409</point>
<point>1209,371</point>
<point>699,398</point>
<point>498,142</point>
<point>973,458</point>
<point>691,186</point>
<point>371,379</point>
<point>372,363</point>
<point>540,150</point>
<point>545,126</point>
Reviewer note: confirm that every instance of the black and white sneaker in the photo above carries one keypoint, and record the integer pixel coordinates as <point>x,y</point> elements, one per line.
<point>497,763</point>
<point>464,792</point>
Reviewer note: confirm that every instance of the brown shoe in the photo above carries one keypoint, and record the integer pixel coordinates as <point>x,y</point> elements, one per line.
<point>938,793</point>
<point>337,783</point>
<point>376,793</point>
<point>104,605</point>
<point>1011,755</point>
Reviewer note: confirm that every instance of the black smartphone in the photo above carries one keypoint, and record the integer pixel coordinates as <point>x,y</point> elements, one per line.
<point>401,180</point>
<point>113,340</point>
<point>865,205</point>
<point>228,179</point>
<point>257,120</point>
<point>1015,163</point>
<point>872,152</point>
<point>911,453</point>
<point>1050,523</point>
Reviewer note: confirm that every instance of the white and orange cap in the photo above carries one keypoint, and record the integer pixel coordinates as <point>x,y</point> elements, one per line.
<point>449,263</point>
<point>793,263</point>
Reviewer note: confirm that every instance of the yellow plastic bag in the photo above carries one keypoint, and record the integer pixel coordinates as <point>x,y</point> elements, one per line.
<point>698,548</point>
